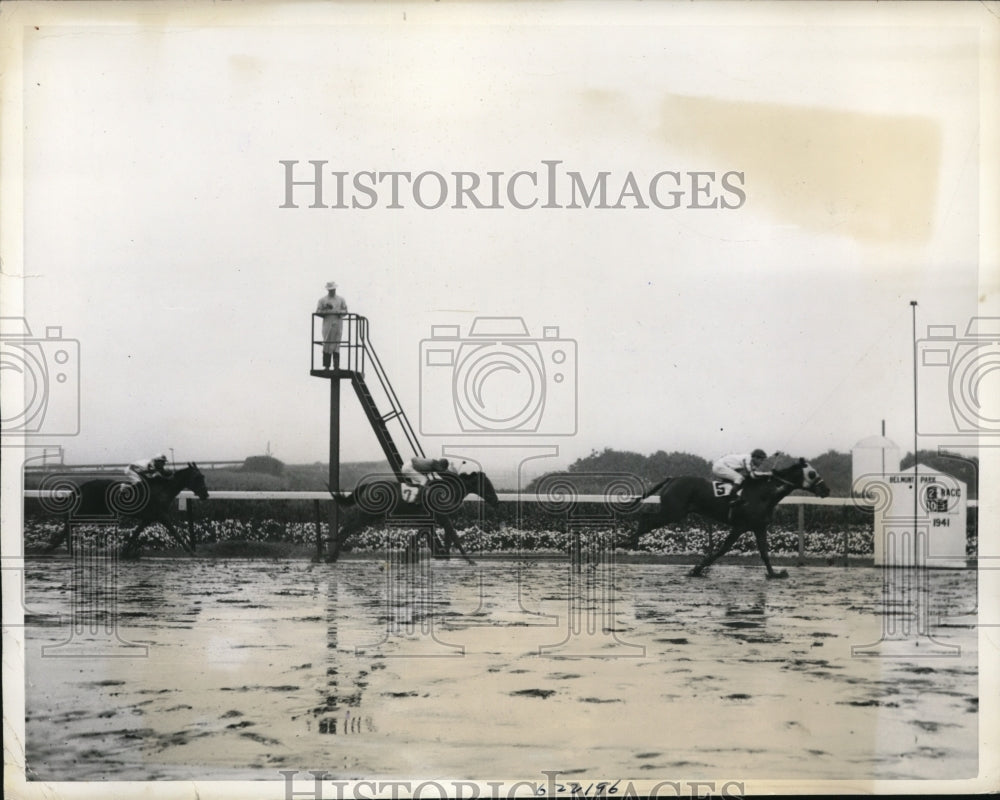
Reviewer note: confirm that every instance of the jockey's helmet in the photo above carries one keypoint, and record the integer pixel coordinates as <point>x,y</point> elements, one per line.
<point>758,454</point>
<point>160,457</point>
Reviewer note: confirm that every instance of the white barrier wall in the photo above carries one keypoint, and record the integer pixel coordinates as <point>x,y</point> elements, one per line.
<point>941,512</point>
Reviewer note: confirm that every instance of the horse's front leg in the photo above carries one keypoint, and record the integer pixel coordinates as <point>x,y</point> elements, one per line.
<point>761,536</point>
<point>720,551</point>
<point>451,537</point>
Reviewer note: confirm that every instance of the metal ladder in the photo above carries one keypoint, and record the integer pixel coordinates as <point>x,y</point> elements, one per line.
<point>358,353</point>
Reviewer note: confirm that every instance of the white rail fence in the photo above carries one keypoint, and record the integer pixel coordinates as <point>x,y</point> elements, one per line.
<point>186,501</point>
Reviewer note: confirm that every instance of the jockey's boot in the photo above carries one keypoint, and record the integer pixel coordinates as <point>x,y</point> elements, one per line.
<point>336,360</point>
<point>735,502</point>
<point>326,361</point>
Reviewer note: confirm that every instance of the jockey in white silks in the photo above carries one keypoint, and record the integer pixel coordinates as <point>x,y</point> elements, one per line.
<point>419,471</point>
<point>155,467</point>
<point>736,468</point>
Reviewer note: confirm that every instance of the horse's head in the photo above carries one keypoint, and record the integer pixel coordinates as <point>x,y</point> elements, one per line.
<point>805,476</point>
<point>478,483</point>
<point>195,481</point>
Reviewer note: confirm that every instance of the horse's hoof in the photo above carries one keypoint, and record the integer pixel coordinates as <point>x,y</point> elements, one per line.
<point>696,573</point>
<point>782,574</point>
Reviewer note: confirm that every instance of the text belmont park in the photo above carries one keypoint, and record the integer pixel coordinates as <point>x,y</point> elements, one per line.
<point>549,187</point>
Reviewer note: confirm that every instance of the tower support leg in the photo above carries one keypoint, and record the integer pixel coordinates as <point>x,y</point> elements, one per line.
<point>332,545</point>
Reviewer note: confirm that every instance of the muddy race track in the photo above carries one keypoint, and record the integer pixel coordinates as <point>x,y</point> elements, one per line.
<point>238,669</point>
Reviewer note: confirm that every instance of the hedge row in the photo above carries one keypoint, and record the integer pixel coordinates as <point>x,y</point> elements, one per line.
<point>526,515</point>
<point>506,532</point>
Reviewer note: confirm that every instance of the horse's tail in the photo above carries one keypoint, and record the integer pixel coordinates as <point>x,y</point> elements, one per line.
<point>340,499</point>
<point>653,489</point>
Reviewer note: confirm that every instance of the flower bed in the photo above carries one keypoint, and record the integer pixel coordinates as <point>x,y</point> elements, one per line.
<point>515,528</point>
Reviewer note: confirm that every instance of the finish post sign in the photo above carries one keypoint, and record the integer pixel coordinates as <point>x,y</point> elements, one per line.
<point>941,511</point>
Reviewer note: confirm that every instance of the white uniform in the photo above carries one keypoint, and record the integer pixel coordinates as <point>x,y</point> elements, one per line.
<point>734,468</point>
<point>421,471</point>
<point>333,310</point>
<point>147,468</point>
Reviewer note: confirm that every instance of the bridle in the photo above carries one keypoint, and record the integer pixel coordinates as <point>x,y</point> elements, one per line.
<point>811,485</point>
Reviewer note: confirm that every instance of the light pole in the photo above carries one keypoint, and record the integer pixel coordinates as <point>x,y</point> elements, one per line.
<point>916,479</point>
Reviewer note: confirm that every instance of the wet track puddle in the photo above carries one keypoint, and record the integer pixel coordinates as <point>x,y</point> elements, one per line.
<point>238,669</point>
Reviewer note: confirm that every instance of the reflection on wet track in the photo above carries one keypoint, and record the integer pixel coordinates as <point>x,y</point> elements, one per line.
<point>241,668</point>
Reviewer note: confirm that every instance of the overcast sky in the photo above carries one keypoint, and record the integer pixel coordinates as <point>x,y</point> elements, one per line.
<point>154,233</point>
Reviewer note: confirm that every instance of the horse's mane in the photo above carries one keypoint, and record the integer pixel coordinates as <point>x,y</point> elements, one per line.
<point>789,465</point>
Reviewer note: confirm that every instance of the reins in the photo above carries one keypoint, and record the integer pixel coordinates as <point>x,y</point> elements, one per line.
<point>782,480</point>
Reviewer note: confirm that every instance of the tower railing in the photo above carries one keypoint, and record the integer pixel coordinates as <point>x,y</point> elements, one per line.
<point>396,406</point>
<point>352,351</point>
<point>358,355</point>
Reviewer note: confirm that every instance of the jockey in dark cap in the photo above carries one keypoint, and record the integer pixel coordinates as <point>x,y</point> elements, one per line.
<point>154,468</point>
<point>736,468</point>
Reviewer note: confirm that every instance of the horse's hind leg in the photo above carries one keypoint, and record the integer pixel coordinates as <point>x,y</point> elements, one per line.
<point>411,555</point>
<point>177,537</point>
<point>648,521</point>
<point>720,551</point>
<point>61,536</point>
<point>131,544</point>
<point>440,547</point>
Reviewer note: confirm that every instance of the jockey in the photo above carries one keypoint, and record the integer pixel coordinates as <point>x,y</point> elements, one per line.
<point>421,471</point>
<point>150,469</point>
<point>736,468</point>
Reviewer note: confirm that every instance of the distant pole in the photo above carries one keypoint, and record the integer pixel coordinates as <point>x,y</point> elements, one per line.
<point>882,450</point>
<point>916,479</point>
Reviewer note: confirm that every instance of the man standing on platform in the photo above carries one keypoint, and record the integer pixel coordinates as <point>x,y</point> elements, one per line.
<point>332,308</point>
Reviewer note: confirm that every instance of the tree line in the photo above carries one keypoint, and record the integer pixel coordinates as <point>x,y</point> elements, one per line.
<point>594,472</point>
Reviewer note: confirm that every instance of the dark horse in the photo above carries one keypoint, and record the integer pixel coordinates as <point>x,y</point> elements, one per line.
<point>683,495</point>
<point>107,499</point>
<point>382,500</point>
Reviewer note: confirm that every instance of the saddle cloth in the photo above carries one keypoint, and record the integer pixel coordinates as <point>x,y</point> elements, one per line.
<point>722,488</point>
<point>410,492</point>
